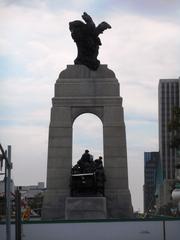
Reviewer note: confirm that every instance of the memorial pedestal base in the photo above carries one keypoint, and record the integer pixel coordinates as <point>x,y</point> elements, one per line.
<point>85,208</point>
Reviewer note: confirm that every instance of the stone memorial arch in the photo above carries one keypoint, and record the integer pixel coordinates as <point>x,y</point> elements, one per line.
<point>81,90</point>
<point>87,87</point>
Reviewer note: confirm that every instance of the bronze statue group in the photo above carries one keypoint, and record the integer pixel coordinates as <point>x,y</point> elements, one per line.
<point>86,36</point>
<point>87,176</point>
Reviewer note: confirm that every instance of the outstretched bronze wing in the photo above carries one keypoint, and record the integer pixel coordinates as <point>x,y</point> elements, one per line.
<point>101,27</point>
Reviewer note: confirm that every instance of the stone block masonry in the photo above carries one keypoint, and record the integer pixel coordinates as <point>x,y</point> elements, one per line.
<point>80,90</point>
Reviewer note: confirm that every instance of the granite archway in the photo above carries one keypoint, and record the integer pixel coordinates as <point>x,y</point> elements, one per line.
<point>80,90</point>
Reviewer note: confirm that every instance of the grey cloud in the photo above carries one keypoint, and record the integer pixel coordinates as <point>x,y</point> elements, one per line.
<point>167,10</point>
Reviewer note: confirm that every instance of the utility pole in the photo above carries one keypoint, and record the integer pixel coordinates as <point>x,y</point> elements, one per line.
<point>18,213</point>
<point>6,155</point>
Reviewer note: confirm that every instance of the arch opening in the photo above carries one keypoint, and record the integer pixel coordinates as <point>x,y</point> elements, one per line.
<point>87,134</point>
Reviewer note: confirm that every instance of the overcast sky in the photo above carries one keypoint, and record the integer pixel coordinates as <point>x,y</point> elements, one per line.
<point>35,46</point>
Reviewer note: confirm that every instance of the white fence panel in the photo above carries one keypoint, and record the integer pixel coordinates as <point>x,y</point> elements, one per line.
<point>90,230</point>
<point>100,230</point>
<point>105,230</point>
<point>172,229</point>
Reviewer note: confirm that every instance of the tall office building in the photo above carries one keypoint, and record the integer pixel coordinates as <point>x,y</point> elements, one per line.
<point>169,97</point>
<point>169,91</point>
<point>150,173</point>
